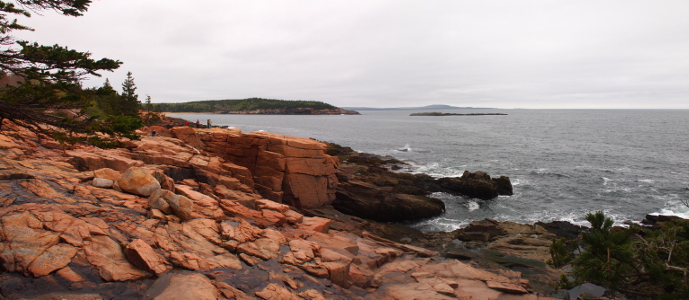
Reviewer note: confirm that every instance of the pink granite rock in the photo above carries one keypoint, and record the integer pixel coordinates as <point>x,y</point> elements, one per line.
<point>139,182</point>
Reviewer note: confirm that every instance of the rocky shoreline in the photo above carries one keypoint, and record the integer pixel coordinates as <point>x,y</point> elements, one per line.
<point>371,187</point>
<point>221,214</point>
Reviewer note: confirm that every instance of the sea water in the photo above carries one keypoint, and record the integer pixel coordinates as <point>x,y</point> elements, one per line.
<point>562,163</point>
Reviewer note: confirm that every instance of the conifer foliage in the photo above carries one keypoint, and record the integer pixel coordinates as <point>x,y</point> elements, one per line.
<point>130,100</point>
<point>642,263</point>
<point>47,87</point>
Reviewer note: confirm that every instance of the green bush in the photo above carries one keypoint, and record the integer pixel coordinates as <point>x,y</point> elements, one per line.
<point>561,256</point>
<point>639,262</point>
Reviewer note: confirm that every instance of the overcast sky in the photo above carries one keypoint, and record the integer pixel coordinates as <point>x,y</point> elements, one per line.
<point>504,54</point>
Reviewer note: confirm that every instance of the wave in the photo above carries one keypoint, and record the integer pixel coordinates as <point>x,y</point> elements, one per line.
<point>408,148</point>
<point>547,172</point>
<point>436,170</point>
<point>472,205</point>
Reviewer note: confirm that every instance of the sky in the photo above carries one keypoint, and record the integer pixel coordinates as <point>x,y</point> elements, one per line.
<point>482,53</point>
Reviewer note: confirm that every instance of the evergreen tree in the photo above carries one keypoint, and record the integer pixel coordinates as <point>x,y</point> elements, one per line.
<point>152,115</point>
<point>49,90</point>
<point>148,103</point>
<point>648,263</point>
<point>107,99</point>
<point>130,100</point>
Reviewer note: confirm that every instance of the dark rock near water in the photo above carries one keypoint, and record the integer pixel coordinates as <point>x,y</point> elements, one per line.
<point>563,229</point>
<point>483,230</point>
<point>652,220</point>
<point>504,185</point>
<point>368,188</point>
<point>381,205</point>
<point>481,188</point>
<point>474,185</point>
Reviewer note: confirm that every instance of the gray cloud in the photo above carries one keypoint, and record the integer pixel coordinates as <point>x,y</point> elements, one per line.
<point>530,54</point>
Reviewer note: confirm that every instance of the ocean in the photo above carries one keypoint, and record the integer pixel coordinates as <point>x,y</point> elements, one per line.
<point>563,164</point>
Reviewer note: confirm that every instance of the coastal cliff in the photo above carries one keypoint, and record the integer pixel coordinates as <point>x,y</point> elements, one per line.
<point>205,214</point>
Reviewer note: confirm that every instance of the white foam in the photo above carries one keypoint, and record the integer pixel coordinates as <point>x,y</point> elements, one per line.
<point>606,180</point>
<point>674,207</point>
<point>519,181</point>
<point>442,224</point>
<point>472,205</point>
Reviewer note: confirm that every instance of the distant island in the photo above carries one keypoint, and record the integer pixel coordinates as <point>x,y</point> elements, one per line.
<point>256,106</point>
<point>433,106</point>
<point>440,114</point>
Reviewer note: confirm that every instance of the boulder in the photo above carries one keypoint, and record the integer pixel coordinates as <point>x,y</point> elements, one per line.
<point>165,181</point>
<point>138,181</point>
<point>159,200</point>
<point>181,206</point>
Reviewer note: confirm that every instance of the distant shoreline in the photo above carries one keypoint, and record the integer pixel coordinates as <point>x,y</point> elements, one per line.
<point>315,113</point>
<point>440,114</point>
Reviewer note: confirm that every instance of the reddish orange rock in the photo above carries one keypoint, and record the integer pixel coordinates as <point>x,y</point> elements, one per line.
<point>69,274</point>
<point>107,256</point>
<point>23,241</point>
<point>183,286</point>
<point>188,135</point>
<point>274,291</point>
<point>107,173</point>
<point>317,224</point>
<point>139,182</point>
<point>56,257</point>
<point>202,204</point>
<point>159,201</point>
<point>285,169</point>
<point>142,256</point>
<point>114,159</point>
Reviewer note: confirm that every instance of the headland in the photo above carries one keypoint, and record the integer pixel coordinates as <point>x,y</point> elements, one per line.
<point>256,106</point>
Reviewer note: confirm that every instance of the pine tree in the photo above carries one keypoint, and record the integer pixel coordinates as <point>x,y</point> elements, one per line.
<point>152,115</point>
<point>49,91</point>
<point>130,100</point>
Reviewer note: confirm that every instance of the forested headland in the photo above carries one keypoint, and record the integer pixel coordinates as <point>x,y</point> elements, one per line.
<point>256,106</point>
